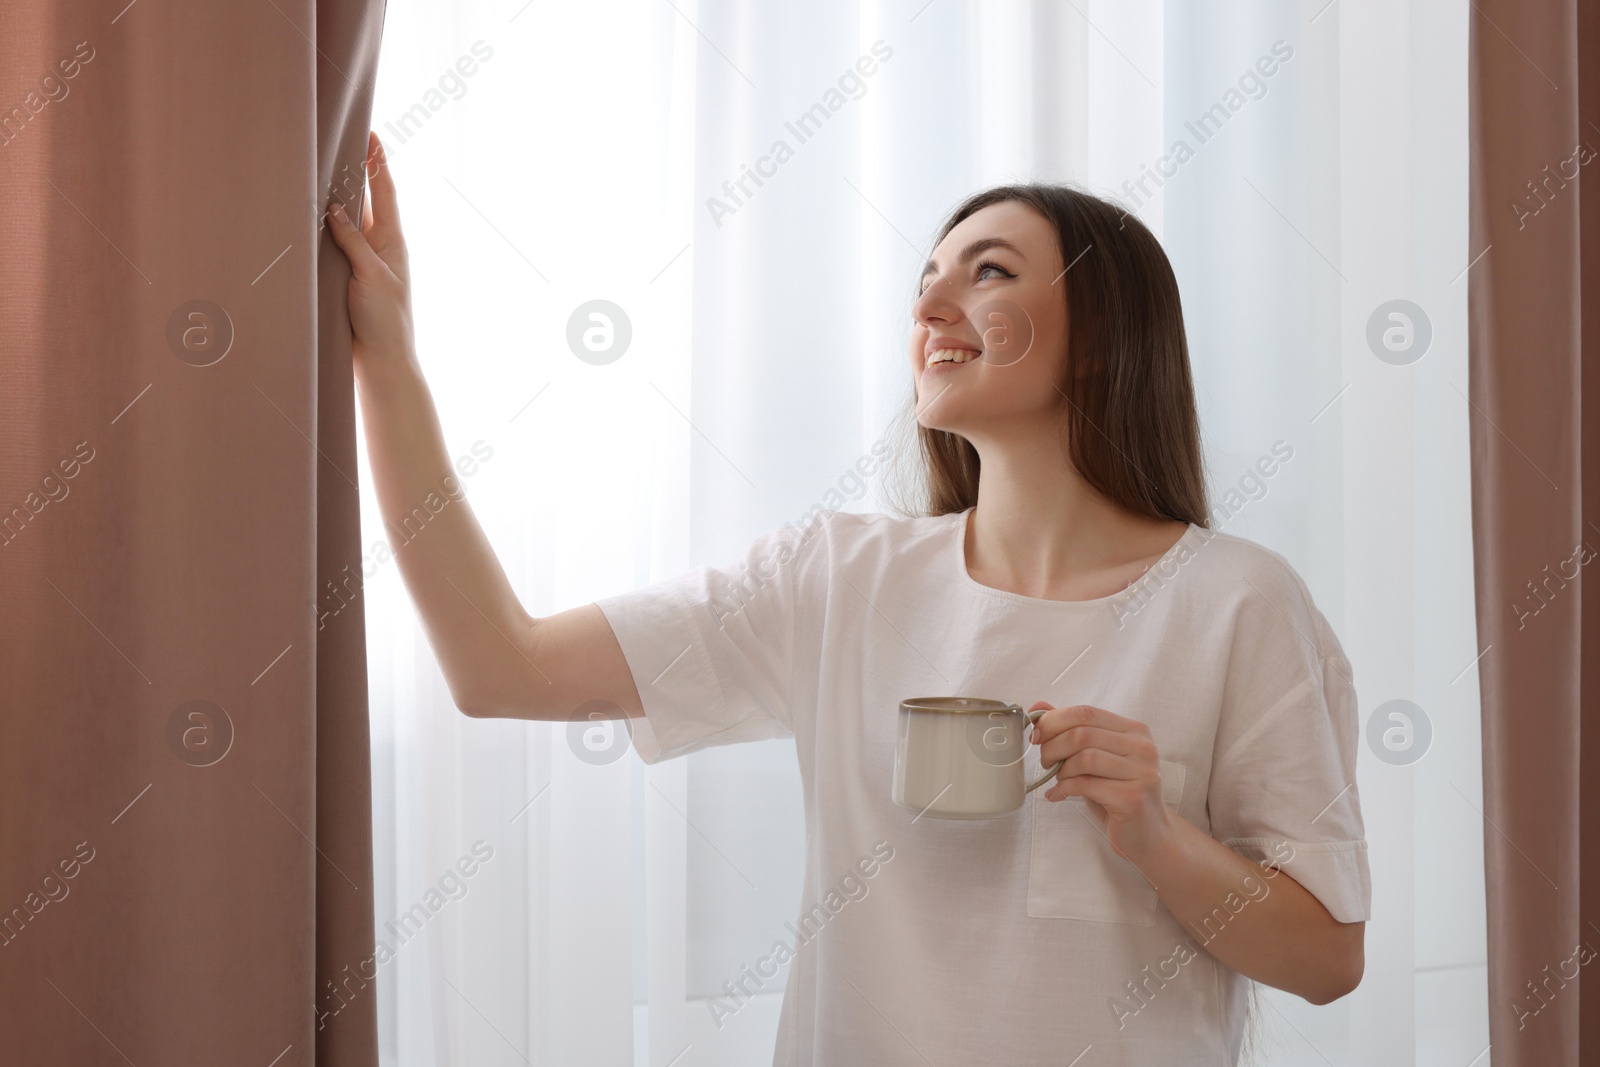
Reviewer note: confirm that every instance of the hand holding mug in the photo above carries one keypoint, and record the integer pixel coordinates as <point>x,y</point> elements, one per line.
<point>1113,764</point>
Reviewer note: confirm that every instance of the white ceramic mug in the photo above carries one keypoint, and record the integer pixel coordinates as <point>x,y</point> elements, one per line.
<point>961,757</point>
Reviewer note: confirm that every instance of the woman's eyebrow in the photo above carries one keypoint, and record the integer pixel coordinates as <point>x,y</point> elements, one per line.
<point>982,244</point>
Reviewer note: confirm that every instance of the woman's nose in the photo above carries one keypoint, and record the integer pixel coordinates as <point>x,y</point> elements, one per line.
<point>935,305</point>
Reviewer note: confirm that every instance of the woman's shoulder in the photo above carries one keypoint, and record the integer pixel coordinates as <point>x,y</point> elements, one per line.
<point>1234,557</point>
<point>1259,583</point>
<point>850,533</point>
<point>859,543</point>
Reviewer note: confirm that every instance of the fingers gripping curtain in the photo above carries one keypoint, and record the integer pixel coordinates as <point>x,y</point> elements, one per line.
<point>185,842</point>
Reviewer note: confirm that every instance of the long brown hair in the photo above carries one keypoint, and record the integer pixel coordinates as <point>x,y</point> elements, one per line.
<point>1127,407</point>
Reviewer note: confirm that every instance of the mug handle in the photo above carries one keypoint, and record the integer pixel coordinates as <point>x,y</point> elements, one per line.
<point>1033,717</point>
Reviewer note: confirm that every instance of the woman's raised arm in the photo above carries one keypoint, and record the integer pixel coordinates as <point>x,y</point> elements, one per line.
<point>496,658</point>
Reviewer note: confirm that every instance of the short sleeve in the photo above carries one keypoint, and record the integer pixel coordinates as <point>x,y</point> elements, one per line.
<point>712,651</point>
<point>1283,776</point>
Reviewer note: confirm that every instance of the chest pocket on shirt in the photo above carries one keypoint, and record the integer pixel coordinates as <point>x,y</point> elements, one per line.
<point>1074,873</point>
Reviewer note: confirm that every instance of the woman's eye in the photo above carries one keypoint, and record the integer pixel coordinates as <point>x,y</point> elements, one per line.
<point>987,265</point>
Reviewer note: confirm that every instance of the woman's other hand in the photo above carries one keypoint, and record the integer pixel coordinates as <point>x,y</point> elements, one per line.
<point>1113,764</point>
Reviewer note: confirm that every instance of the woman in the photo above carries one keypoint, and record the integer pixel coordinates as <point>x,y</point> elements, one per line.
<point>1203,829</point>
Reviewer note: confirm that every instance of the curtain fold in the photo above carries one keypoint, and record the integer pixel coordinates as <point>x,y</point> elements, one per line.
<point>185,840</point>
<point>1535,387</point>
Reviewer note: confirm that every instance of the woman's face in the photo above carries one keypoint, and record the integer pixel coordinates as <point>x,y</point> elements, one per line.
<point>993,291</point>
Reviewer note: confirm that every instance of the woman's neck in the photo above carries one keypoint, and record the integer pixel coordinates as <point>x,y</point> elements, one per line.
<point>1040,530</point>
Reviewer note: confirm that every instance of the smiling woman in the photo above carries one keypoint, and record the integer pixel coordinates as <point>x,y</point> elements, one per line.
<point>767,355</point>
<point>1057,472</point>
<point>1121,400</point>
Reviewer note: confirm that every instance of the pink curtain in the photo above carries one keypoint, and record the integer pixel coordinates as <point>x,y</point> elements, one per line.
<point>1535,428</point>
<point>185,840</point>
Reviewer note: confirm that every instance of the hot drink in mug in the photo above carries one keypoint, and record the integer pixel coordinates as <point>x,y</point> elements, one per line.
<point>961,757</point>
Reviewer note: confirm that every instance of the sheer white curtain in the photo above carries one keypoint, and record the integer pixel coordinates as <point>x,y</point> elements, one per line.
<point>551,155</point>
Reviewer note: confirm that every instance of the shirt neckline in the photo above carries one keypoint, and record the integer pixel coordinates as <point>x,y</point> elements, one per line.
<point>957,548</point>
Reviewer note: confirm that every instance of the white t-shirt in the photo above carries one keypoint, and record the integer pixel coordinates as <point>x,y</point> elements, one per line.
<point>1022,939</point>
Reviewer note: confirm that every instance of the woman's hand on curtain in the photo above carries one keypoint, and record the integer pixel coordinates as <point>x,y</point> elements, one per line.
<point>380,282</point>
<point>473,619</point>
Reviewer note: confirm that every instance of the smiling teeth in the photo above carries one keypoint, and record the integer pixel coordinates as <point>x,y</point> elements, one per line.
<point>952,355</point>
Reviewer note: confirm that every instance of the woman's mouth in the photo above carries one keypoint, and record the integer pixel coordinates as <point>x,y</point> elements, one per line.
<point>946,359</point>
